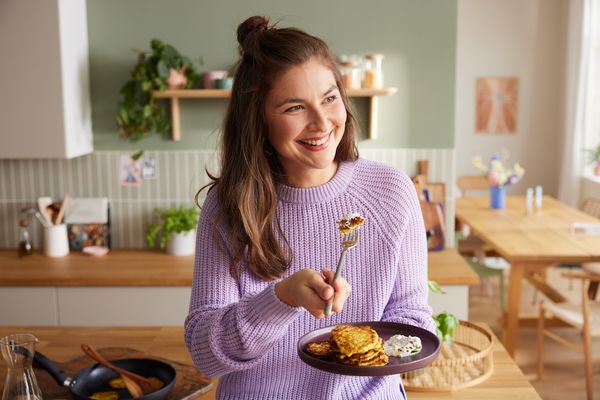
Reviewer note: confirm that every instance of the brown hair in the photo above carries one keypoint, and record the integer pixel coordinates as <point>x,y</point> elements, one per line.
<point>250,170</point>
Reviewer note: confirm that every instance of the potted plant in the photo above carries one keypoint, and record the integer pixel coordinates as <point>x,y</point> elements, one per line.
<point>176,232</point>
<point>139,112</point>
<point>594,159</point>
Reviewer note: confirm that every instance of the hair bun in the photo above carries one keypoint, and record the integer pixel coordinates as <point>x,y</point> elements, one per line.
<point>249,28</point>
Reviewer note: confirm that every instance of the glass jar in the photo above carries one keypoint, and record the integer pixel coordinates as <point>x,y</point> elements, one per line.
<point>20,384</point>
<point>373,77</point>
<point>350,74</point>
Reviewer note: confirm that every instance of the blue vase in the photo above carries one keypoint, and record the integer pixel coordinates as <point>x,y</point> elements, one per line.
<point>497,197</point>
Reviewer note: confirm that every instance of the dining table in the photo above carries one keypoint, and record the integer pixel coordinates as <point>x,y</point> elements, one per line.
<point>62,344</point>
<point>531,240</point>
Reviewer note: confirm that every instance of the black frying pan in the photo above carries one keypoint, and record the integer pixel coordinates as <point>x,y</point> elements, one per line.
<point>96,377</point>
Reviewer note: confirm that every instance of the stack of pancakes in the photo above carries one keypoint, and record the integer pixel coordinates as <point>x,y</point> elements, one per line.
<point>352,345</point>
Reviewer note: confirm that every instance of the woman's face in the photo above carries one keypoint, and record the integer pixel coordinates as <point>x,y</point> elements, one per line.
<point>306,117</point>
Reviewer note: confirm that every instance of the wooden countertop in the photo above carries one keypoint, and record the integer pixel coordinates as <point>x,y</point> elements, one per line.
<point>62,344</point>
<point>153,268</point>
<point>118,268</point>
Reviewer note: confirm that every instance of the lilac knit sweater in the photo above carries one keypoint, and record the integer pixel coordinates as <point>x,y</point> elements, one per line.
<point>243,333</point>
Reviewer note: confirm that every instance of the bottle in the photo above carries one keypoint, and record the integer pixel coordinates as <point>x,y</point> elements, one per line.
<point>25,246</point>
<point>350,74</point>
<point>373,78</point>
<point>18,350</point>
<point>538,198</point>
<point>529,200</point>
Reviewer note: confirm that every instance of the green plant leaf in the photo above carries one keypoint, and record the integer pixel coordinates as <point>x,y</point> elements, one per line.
<point>174,219</point>
<point>435,287</point>
<point>138,113</point>
<point>163,69</point>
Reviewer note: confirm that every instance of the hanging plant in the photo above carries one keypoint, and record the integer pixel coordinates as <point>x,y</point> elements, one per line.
<point>139,113</point>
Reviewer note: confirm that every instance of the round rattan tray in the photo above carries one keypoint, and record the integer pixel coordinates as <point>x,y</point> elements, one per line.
<point>467,361</point>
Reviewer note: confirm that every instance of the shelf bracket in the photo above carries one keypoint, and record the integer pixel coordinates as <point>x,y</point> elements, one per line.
<point>175,125</point>
<point>373,112</point>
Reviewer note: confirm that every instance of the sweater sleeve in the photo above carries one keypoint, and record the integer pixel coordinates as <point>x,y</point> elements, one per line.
<point>226,331</point>
<point>408,300</point>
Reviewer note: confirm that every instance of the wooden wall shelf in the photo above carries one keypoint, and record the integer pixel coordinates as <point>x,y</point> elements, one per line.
<point>175,95</point>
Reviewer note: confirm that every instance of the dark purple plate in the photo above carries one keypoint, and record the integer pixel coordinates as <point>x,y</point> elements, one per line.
<point>396,365</point>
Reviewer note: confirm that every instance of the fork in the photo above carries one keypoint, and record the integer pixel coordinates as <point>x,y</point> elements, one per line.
<point>349,241</point>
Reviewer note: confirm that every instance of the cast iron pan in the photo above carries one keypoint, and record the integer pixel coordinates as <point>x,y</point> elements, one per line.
<point>95,378</point>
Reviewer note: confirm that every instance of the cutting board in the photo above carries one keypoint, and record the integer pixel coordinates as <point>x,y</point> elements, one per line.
<point>188,382</point>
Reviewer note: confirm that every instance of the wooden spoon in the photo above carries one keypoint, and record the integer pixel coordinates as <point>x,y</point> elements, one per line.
<point>136,384</point>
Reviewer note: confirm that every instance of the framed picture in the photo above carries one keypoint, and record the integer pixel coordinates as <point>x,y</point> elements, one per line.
<point>496,105</point>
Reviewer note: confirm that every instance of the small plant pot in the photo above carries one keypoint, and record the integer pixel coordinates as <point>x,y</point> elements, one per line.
<point>182,244</point>
<point>597,168</point>
<point>177,79</point>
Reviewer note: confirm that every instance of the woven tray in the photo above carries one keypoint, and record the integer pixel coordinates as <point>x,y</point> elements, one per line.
<point>466,362</point>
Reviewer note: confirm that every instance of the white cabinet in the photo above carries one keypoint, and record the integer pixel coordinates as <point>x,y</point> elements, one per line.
<point>94,306</point>
<point>45,109</point>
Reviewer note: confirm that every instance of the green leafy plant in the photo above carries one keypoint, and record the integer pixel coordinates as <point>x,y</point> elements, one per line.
<point>174,220</point>
<point>446,325</point>
<point>594,155</point>
<point>445,322</point>
<point>139,113</point>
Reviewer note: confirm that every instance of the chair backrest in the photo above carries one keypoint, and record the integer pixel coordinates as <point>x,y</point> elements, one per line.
<point>472,182</point>
<point>591,205</point>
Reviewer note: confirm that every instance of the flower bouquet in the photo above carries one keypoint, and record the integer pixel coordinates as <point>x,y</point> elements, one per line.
<point>498,177</point>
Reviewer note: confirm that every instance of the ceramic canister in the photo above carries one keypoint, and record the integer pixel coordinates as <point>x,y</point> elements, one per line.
<point>209,78</point>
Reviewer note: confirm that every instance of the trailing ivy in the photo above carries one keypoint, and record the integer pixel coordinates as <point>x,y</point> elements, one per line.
<point>139,113</point>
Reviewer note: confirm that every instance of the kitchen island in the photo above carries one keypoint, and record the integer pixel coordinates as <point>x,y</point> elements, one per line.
<point>62,343</point>
<point>83,290</point>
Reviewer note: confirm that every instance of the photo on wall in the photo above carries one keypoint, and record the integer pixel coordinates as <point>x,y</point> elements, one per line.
<point>496,102</point>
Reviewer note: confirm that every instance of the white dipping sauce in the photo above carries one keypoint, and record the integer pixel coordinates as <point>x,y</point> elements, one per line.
<point>402,346</point>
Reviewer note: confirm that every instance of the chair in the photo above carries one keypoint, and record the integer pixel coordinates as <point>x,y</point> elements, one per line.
<point>469,244</point>
<point>591,206</point>
<point>472,182</point>
<point>476,252</point>
<point>584,317</point>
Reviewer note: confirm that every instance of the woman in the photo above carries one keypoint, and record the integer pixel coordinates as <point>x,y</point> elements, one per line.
<point>289,170</point>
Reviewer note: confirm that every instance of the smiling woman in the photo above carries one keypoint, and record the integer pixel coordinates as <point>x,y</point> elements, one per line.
<point>268,238</point>
<point>306,129</point>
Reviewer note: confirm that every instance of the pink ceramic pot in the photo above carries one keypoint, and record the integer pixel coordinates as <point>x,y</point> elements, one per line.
<point>177,79</point>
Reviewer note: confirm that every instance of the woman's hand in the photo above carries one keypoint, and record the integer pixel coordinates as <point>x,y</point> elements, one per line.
<point>310,290</point>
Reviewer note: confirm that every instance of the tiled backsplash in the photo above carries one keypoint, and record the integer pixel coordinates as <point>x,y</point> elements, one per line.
<point>179,175</point>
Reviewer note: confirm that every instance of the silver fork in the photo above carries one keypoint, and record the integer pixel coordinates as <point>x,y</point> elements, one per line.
<point>349,240</point>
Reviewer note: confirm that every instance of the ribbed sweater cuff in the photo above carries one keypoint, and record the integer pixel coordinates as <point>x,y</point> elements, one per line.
<point>269,309</point>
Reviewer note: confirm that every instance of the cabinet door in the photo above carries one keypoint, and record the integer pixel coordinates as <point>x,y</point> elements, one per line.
<point>33,306</point>
<point>45,109</point>
<point>123,306</point>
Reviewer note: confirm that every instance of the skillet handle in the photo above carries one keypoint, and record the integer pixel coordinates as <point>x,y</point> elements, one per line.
<point>52,368</point>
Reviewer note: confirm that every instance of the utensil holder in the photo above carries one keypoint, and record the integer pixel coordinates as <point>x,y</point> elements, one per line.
<point>56,242</point>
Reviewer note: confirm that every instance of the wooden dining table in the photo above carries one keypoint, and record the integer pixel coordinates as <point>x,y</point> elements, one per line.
<point>531,242</point>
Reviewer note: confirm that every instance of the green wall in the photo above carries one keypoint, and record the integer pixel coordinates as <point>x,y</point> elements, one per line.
<point>418,38</point>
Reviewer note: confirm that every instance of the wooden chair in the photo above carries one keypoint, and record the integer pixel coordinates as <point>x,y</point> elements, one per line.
<point>584,317</point>
<point>591,206</point>
<point>469,244</point>
<point>480,256</point>
<point>469,183</point>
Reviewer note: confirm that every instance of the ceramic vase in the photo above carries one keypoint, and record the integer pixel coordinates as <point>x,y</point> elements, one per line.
<point>497,197</point>
<point>182,244</point>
